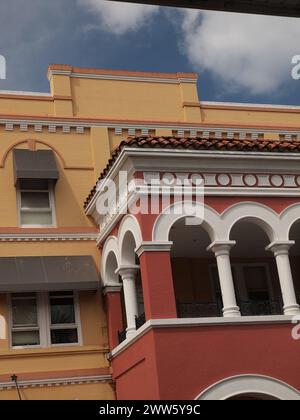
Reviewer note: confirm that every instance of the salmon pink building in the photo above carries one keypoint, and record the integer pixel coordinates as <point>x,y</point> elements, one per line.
<point>204,310</point>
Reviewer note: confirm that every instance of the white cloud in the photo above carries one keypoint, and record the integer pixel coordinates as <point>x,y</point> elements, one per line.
<point>244,51</point>
<point>119,18</point>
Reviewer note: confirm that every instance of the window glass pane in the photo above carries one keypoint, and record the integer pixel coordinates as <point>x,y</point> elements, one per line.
<point>28,218</point>
<point>65,336</point>
<point>25,338</point>
<point>62,310</point>
<point>24,311</point>
<point>32,200</point>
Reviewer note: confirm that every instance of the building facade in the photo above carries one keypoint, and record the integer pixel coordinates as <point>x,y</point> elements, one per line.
<point>152,305</point>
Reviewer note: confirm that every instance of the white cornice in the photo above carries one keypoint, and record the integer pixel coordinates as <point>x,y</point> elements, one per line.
<point>56,382</point>
<point>182,128</point>
<point>214,165</point>
<point>39,237</point>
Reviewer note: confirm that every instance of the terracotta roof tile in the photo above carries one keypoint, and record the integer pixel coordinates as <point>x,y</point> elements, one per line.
<point>274,146</point>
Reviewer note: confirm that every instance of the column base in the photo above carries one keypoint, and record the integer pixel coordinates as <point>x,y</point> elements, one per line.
<point>130,332</point>
<point>231,311</point>
<point>291,309</point>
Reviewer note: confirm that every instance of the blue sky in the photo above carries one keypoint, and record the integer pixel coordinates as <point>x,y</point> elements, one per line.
<point>239,58</point>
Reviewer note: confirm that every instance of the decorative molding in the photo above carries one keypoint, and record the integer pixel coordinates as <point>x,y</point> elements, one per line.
<point>237,180</point>
<point>80,129</point>
<point>40,383</point>
<point>24,127</point>
<point>41,237</point>
<point>112,288</point>
<point>53,124</point>
<point>9,127</point>
<point>153,247</point>
<point>248,183</point>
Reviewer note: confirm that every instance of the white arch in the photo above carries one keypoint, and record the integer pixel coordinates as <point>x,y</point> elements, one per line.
<point>288,217</point>
<point>211,223</point>
<point>258,213</point>
<point>128,224</point>
<point>110,247</point>
<point>249,384</point>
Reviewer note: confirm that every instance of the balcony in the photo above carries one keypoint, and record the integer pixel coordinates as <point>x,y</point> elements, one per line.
<point>198,310</point>
<point>261,307</point>
<point>213,309</point>
<point>139,321</point>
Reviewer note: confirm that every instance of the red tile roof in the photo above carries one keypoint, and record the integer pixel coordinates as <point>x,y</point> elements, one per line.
<point>188,143</point>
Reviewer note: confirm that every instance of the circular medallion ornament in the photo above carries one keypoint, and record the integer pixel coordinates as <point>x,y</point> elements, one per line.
<point>276,180</point>
<point>196,179</point>
<point>297,180</point>
<point>223,180</point>
<point>250,180</point>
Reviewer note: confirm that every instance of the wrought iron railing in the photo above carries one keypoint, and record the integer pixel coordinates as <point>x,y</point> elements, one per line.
<point>261,307</point>
<point>198,310</point>
<point>122,336</point>
<point>140,320</point>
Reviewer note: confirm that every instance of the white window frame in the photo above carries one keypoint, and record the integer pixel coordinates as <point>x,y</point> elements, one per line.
<point>12,329</point>
<point>50,191</point>
<point>44,322</point>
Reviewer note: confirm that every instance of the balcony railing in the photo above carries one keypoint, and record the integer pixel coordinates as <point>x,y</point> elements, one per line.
<point>122,336</point>
<point>261,307</point>
<point>139,321</point>
<point>198,310</point>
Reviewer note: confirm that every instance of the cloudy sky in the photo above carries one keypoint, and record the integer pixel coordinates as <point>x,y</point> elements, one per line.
<point>238,57</point>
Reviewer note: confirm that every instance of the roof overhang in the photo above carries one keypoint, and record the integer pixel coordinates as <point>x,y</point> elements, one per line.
<point>212,164</point>
<point>288,8</point>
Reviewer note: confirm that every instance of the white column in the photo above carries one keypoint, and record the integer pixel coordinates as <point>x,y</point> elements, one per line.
<point>281,253</point>
<point>128,274</point>
<point>221,249</point>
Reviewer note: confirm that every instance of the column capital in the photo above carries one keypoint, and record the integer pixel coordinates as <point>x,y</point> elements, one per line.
<point>221,247</point>
<point>153,247</point>
<point>112,288</point>
<point>127,271</point>
<point>280,247</point>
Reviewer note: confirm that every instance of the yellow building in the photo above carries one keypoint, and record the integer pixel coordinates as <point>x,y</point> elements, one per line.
<point>53,330</point>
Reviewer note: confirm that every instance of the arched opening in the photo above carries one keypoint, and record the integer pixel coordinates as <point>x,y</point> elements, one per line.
<point>111,277</point>
<point>249,387</point>
<point>254,270</point>
<point>130,258</point>
<point>252,397</point>
<point>192,265</point>
<point>295,257</point>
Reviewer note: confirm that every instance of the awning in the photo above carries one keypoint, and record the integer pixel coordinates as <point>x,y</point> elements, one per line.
<point>35,274</point>
<point>38,164</point>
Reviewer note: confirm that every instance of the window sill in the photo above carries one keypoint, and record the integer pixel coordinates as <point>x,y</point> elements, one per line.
<point>52,351</point>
